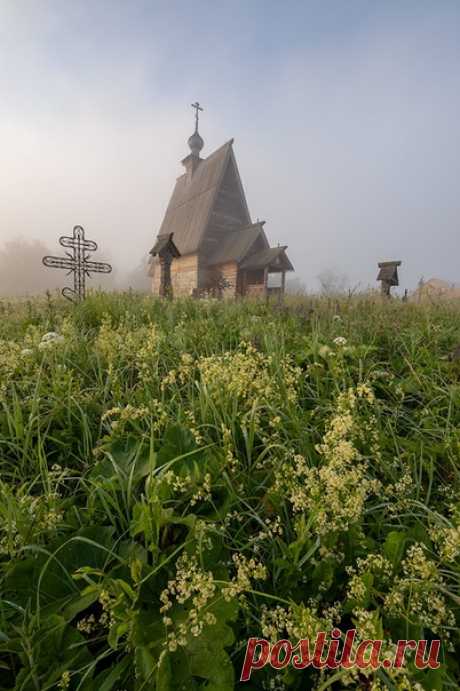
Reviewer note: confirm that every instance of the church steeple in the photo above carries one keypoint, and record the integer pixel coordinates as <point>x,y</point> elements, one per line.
<point>195,143</point>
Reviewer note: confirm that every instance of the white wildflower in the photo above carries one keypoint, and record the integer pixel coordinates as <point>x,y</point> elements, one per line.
<point>50,339</point>
<point>25,352</point>
<point>324,351</point>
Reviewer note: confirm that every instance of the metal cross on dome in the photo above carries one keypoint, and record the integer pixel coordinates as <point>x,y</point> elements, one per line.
<point>77,262</point>
<point>197,108</point>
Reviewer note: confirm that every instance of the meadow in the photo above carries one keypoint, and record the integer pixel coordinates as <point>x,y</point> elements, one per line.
<point>176,477</point>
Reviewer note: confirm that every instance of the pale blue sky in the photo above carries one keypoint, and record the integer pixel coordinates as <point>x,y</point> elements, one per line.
<point>345,116</point>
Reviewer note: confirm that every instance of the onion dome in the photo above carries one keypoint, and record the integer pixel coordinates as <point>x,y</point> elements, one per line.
<point>195,143</point>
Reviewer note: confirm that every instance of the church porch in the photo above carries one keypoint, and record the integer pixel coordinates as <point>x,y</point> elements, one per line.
<point>258,270</point>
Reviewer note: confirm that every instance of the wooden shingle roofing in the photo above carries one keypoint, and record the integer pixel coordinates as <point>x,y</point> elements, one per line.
<point>236,244</point>
<point>208,215</point>
<point>165,242</point>
<point>273,257</point>
<point>191,204</point>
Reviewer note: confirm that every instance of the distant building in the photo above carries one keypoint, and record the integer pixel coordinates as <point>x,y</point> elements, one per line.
<point>207,242</point>
<point>436,289</point>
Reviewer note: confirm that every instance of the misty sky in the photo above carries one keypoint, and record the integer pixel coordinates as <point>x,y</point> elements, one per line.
<point>345,114</point>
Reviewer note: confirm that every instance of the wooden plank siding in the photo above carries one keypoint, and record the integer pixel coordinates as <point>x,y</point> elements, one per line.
<point>184,275</point>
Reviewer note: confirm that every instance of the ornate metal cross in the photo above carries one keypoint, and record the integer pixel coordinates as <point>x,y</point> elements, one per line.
<point>197,107</point>
<point>77,263</point>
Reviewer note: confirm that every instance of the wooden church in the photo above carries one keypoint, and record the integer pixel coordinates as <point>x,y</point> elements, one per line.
<point>207,243</point>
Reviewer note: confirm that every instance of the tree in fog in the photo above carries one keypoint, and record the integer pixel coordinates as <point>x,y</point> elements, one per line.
<point>138,278</point>
<point>295,286</point>
<point>332,282</point>
<point>23,273</point>
<point>21,268</point>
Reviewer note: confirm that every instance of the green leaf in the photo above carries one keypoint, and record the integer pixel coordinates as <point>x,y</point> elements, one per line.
<point>127,461</point>
<point>208,660</point>
<point>107,680</point>
<point>145,663</point>
<point>177,441</point>
<point>393,547</point>
<point>432,679</point>
<point>164,674</point>
<point>79,605</point>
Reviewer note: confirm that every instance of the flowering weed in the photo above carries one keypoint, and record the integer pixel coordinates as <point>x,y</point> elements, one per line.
<point>177,477</point>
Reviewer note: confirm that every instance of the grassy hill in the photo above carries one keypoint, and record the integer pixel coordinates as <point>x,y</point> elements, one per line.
<point>178,477</point>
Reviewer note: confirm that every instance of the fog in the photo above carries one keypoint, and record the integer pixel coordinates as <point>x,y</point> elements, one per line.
<point>22,272</point>
<point>345,118</point>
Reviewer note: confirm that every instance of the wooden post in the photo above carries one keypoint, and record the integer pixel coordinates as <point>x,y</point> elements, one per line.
<point>165,289</point>
<point>281,290</point>
<point>161,267</point>
<point>386,289</point>
<point>265,283</point>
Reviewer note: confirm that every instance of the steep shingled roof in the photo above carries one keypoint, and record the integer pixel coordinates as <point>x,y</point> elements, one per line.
<point>272,256</point>
<point>192,201</point>
<point>163,242</point>
<point>236,244</point>
<point>208,215</point>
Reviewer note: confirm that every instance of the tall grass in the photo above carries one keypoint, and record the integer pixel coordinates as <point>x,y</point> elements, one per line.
<point>176,477</point>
